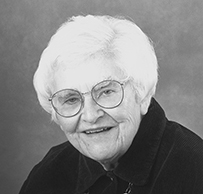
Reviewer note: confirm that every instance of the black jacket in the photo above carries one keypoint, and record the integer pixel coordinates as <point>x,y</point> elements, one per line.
<point>164,158</point>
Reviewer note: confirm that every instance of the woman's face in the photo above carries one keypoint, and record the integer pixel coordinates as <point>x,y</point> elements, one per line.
<point>124,120</point>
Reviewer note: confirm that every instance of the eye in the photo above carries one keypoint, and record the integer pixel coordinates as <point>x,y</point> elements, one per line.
<point>107,92</point>
<point>71,101</point>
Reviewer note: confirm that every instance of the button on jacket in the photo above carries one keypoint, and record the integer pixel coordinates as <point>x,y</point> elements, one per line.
<point>164,158</point>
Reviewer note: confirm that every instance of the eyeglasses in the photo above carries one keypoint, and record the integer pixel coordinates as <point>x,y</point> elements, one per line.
<point>107,94</point>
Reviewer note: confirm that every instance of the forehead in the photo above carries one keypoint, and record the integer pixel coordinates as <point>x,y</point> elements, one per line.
<point>84,76</point>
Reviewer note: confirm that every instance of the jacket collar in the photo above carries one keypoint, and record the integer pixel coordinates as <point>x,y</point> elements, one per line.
<point>135,165</point>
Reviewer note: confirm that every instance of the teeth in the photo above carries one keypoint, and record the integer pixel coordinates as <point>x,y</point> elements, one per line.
<point>97,130</point>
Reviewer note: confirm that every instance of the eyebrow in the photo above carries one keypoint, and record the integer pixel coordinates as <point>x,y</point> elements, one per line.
<point>109,78</point>
<point>106,78</point>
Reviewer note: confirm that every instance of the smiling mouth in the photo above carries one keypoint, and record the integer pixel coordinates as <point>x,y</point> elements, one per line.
<point>100,130</point>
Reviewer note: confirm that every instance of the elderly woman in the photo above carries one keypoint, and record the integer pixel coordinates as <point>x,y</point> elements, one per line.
<point>97,78</point>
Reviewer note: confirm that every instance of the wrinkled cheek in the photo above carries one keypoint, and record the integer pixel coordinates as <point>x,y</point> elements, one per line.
<point>127,117</point>
<point>130,124</point>
<point>67,127</point>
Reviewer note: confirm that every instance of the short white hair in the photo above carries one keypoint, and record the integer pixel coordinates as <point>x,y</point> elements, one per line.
<point>83,37</point>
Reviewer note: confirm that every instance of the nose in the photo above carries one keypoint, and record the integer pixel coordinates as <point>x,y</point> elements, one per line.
<point>91,111</point>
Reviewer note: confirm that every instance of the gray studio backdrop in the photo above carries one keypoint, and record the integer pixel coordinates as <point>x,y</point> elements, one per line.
<point>26,132</point>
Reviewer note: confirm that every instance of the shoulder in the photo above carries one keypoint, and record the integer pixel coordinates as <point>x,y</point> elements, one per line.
<point>186,147</point>
<point>188,157</point>
<point>58,157</point>
<point>59,151</point>
<point>51,172</point>
<point>181,146</point>
<point>184,137</point>
<point>180,159</point>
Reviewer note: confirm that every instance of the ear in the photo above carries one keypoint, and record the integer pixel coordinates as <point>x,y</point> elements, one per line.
<point>144,105</point>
